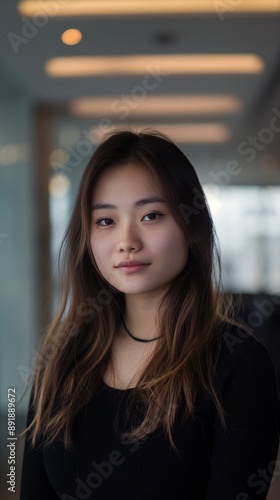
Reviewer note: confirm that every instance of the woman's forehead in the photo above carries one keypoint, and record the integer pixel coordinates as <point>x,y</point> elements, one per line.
<point>132,175</point>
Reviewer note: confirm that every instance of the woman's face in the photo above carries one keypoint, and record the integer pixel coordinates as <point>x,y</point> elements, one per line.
<point>135,230</point>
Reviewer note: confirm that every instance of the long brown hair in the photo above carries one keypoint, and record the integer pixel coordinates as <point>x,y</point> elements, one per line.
<point>75,349</point>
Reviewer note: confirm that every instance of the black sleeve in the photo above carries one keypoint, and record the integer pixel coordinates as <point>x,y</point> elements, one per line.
<point>35,484</point>
<point>244,457</point>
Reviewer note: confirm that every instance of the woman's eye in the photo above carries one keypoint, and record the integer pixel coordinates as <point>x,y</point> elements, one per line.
<point>105,222</point>
<point>102,220</point>
<point>153,213</point>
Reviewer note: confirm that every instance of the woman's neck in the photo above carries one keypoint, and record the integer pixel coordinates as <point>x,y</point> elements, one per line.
<point>140,316</point>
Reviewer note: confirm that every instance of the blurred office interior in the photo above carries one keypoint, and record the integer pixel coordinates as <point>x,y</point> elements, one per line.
<point>205,73</point>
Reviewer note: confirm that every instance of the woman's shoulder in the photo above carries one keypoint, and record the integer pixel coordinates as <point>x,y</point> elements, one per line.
<point>246,376</point>
<point>235,340</point>
<point>241,352</point>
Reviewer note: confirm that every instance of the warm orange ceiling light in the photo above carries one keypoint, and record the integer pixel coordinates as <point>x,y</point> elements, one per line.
<point>162,64</point>
<point>160,105</point>
<point>134,7</point>
<point>180,132</point>
<point>71,37</point>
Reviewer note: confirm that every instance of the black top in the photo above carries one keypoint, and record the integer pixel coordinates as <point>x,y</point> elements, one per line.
<point>213,465</point>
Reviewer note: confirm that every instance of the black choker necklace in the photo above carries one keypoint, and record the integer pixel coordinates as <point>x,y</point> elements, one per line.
<point>137,338</point>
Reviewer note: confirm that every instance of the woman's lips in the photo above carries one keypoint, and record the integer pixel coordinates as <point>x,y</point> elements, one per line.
<point>131,262</point>
<point>133,268</point>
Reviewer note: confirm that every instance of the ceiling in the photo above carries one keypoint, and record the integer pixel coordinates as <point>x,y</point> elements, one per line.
<point>160,34</point>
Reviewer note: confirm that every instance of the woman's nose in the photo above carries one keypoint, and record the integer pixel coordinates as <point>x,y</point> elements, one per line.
<point>128,237</point>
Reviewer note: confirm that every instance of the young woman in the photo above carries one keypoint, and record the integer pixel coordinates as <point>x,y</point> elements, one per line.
<point>145,385</point>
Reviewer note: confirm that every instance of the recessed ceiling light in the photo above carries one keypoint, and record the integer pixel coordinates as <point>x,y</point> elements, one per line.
<point>59,185</point>
<point>165,37</point>
<point>160,64</point>
<point>57,157</point>
<point>71,36</point>
<point>160,105</point>
<point>10,153</point>
<point>129,7</point>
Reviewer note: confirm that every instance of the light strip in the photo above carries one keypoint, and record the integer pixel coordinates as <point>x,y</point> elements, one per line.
<point>159,64</point>
<point>160,105</point>
<point>134,7</point>
<point>180,132</point>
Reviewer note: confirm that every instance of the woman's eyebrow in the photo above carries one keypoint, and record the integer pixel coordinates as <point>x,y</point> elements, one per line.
<point>145,201</point>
